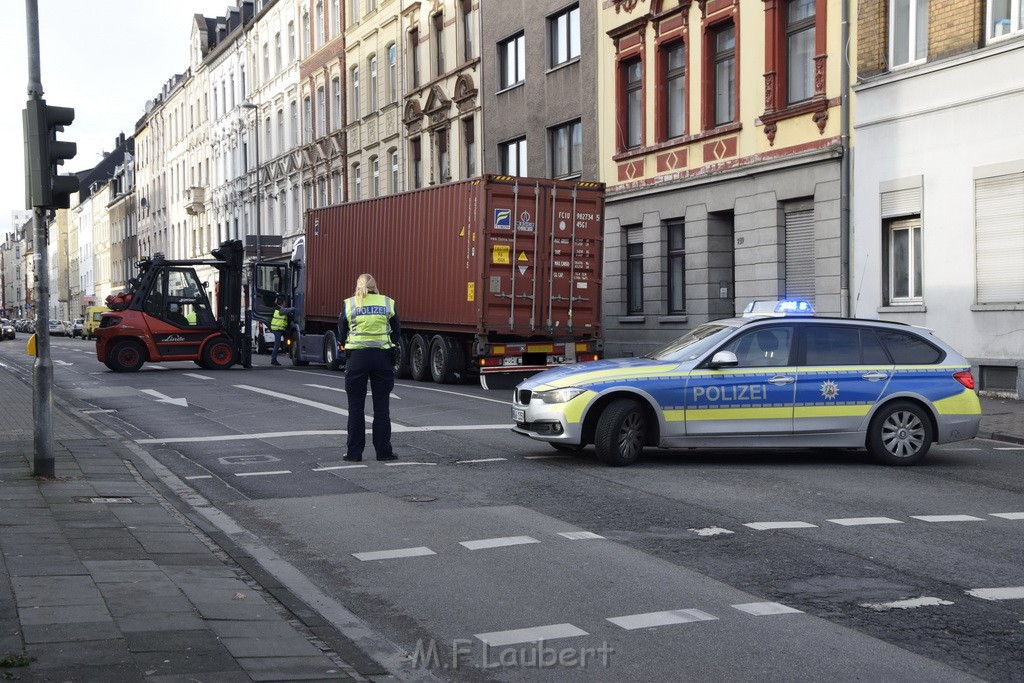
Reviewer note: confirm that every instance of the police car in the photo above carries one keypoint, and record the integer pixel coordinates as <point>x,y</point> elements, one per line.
<point>776,377</point>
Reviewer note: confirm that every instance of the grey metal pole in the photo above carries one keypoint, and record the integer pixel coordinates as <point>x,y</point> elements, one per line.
<point>42,369</point>
<point>259,198</point>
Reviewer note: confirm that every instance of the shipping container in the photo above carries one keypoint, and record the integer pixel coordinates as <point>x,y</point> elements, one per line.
<point>490,275</point>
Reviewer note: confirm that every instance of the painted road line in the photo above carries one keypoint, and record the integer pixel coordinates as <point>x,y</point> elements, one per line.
<point>337,467</point>
<point>761,526</point>
<point>200,476</point>
<point>393,554</point>
<point>1008,593</point>
<point>860,521</point>
<point>712,531</point>
<point>912,603</point>
<point>530,635</point>
<point>97,411</point>
<point>192,374</point>
<point>947,518</point>
<point>469,462</point>
<point>294,399</point>
<point>156,367</point>
<point>262,474</point>
<point>579,535</point>
<point>453,393</point>
<point>761,609</point>
<point>1008,515</point>
<point>498,542</point>
<point>652,619</point>
<point>241,437</point>
<point>445,428</point>
<point>1009,448</point>
<point>407,463</point>
<point>546,457</point>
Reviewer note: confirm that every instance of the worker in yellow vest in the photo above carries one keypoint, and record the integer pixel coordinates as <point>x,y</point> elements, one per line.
<point>279,325</point>
<point>370,333</point>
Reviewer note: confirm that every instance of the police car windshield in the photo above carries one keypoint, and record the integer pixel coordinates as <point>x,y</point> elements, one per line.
<point>693,344</point>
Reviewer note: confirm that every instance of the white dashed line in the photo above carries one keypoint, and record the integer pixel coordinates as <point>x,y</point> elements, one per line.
<point>651,619</point>
<point>1008,593</point>
<point>905,604</point>
<point>712,531</point>
<point>97,412</point>
<point>860,521</point>
<point>579,535</point>
<point>530,635</point>
<point>192,374</point>
<point>262,474</point>
<point>761,526</point>
<point>200,476</point>
<point>498,542</point>
<point>1009,448</point>
<point>947,518</point>
<point>411,462</point>
<point>393,554</point>
<point>337,467</point>
<point>761,609</point>
<point>468,462</point>
<point>546,457</point>
<point>1008,515</point>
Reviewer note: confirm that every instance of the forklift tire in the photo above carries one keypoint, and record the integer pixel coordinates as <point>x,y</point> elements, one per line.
<point>219,354</point>
<point>127,356</point>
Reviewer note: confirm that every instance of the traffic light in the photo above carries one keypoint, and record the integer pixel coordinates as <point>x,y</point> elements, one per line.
<point>44,187</point>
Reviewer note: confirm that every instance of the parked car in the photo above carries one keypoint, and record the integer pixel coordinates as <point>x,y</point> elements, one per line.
<point>78,327</point>
<point>56,328</point>
<point>6,329</point>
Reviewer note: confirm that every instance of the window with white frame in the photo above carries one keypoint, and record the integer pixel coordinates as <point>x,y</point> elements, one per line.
<point>277,53</point>
<point>355,93</point>
<point>468,30</point>
<point>566,143</point>
<point>321,112</point>
<point>416,162</point>
<point>353,12</point>
<point>394,170</point>
<point>307,120</point>
<point>632,112</point>
<point>357,182</point>
<point>375,179</point>
<point>902,245</point>
<point>564,36</point>
<point>469,146</point>
<point>335,18</point>
<point>674,67</point>
<point>373,84</point>
<point>294,107</point>
<point>321,28</point>
<point>392,73</point>
<point>291,42</point>
<point>306,47</point>
<point>512,61</point>
<point>908,31</point>
<point>280,130</point>
<point>266,62</point>
<point>512,157</point>
<point>335,103</point>
<point>438,40</point>
<point>999,237</point>
<point>414,57</point>
<point>1004,17</point>
<point>634,270</point>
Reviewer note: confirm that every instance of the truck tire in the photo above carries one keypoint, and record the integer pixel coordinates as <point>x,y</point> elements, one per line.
<point>293,352</point>
<point>219,354</point>
<point>126,356</point>
<point>419,358</point>
<point>331,357</point>
<point>446,361</point>
<point>621,433</point>
<point>402,366</point>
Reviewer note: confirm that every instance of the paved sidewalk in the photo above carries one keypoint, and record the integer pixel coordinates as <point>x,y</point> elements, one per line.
<point>104,578</point>
<point>1002,419</point>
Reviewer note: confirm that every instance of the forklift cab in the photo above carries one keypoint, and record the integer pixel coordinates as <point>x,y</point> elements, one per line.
<point>178,298</point>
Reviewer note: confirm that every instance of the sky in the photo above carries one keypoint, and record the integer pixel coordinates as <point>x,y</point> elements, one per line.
<point>103,58</point>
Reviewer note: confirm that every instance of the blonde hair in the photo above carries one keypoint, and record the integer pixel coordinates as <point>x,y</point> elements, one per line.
<point>364,285</point>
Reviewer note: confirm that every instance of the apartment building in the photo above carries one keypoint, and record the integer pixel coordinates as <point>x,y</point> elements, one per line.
<point>939,176</point>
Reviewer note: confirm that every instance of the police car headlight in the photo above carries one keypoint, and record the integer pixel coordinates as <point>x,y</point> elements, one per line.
<point>558,395</point>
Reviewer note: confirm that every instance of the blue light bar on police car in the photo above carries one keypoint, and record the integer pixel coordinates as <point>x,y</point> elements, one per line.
<point>778,308</point>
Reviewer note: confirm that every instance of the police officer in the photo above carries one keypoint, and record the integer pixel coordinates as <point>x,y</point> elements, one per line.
<point>278,325</point>
<point>369,330</point>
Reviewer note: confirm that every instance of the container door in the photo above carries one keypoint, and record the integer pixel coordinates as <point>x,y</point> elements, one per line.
<point>512,253</point>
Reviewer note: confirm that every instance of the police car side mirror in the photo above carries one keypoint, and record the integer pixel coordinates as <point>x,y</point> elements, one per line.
<point>723,359</point>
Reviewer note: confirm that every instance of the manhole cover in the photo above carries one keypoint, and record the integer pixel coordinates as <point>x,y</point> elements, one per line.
<point>419,499</point>
<point>247,459</point>
<point>105,499</point>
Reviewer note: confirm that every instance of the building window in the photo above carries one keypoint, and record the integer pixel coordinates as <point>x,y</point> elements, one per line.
<point>321,112</point>
<point>335,18</point>
<point>417,162</point>
<point>566,149</point>
<point>564,34</point>
<point>321,37</point>
<point>335,103</point>
<point>633,111</point>
<point>295,123</point>
<point>371,5</point>
<point>355,93</point>
<point>512,61</point>
<point>634,271</point>
<point>724,76</point>
<point>375,178</point>
<point>291,42</point>
<point>392,73</point>
<point>469,145</point>
<point>280,129</point>
<point>336,187</point>
<point>266,62</point>
<point>394,170</point>
<point>357,182</point>
<point>306,49</point>
<point>438,20</point>
<point>674,65</point>
<point>414,57</point>
<point>268,141</point>
<point>1004,17</point>
<point>904,255</point>
<point>676,268</point>
<point>800,22</point>
<point>353,14</point>
<point>373,83</point>
<point>908,31</point>
<point>468,30</point>
<point>999,249</point>
<point>277,53</point>
<point>307,120</point>
<point>443,170</point>
<point>513,157</point>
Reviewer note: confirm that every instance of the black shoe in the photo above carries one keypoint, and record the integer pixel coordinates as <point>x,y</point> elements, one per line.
<point>274,362</point>
<point>353,458</point>
<point>387,457</point>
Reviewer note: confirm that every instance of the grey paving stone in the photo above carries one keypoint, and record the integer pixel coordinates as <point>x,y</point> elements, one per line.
<point>112,539</point>
<point>130,604</point>
<point>236,676</point>
<point>222,610</point>
<point>161,621</point>
<point>36,591</point>
<point>87,652</point>
<point>292,669</point>
<point>178,574</point>
<point>71,614</point>
<point>204,559</point>
<point>238,596</point>
<point>112,553</point>
<point>173,641</point>
<point>108,673</point>
<point>40,565</point>
<point>64,633</point>
<point>252,629</point>
<point>282,646</point>
<point>121,565</point>
<point>171,542</point>
<point>170,663</point>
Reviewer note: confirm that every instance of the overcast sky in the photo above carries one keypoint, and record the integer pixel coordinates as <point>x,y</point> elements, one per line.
<point>103,58</point>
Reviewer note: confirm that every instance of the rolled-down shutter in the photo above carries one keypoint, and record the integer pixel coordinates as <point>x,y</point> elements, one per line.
<point>999,238</point>
<point>905,202</point>
<point>800,255</point>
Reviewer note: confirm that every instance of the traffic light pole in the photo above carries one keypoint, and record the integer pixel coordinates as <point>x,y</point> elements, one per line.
<point>42,369</point>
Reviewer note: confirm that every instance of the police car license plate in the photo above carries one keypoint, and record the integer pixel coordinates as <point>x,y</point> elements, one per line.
<point>519,415</point>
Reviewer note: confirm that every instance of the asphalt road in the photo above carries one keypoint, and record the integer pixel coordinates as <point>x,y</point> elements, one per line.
<point>691,565</point>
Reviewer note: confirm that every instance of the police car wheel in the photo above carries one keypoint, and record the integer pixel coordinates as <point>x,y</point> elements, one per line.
<point>900,434</point>
<point>621,433</point>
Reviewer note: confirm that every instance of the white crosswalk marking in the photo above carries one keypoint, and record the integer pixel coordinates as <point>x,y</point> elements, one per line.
<point>858,521</point>
<point>761,526</point>
<point>530,635</point>
<point>912,603</point>
<point>651,619</point>
<point>498,542</point>
<point>394,554</point>
<point>1008,593</point>
<point>947,518</point>
<point>760,609</point>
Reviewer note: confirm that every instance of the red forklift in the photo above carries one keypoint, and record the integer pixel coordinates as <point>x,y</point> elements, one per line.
<point>166,316</point>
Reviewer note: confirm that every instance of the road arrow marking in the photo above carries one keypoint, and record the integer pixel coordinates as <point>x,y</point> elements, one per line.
<point>161,398</point>
<point>62,362</point>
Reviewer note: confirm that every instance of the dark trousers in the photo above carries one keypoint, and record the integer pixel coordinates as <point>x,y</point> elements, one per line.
<point>277,344</point>
<point>373,365</point>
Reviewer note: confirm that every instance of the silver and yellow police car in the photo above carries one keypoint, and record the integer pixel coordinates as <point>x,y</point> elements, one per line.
<point>778,376</point>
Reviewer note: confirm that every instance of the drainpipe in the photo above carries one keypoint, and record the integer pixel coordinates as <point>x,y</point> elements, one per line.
<point>845,165</point>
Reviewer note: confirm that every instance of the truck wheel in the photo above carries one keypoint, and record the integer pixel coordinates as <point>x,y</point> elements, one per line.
<point>402,366</point>
<point>900,434</point>
<point>293,352</point>
<point>445,359</point>
<point>219,354</point>
<point>126,356</point>
<point>419,358</point>
<point>621,433</point>
<point>331,357</point>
